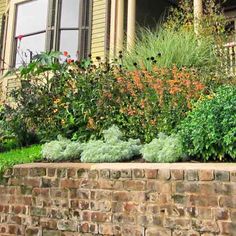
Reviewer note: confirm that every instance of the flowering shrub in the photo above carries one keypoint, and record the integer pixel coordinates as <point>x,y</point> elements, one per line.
<point>37,103</point>
<point>80,99</point>
<point>145,103</point>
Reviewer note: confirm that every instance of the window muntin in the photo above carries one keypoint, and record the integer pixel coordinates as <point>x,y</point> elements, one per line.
<point>58,24</point>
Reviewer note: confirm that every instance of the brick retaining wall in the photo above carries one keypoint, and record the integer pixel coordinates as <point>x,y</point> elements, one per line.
<point>119,199</point>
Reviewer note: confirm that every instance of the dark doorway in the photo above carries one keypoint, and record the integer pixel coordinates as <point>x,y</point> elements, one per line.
<point>150,12</point>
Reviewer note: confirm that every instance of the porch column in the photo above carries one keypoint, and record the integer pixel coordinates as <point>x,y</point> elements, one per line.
<point>113,29</point>
<point>131,19</point>
<point>198,12</point>
<point>120,26</point>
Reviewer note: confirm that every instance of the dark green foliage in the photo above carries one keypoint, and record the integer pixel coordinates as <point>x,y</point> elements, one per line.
<point>209,131</point>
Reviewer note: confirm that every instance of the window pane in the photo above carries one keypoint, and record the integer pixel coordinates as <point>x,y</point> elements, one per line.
<point>34,44</point>
<point>70,13</point>
<point>31,17</point>
<point>69,42</point>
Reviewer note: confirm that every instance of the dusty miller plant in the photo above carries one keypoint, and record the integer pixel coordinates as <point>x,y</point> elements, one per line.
<point>61,149</point>
<point>163,149</point>
<point>112,149</point>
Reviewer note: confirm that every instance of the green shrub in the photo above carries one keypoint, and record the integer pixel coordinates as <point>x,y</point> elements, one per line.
<point>8,140</point>
<point>112,149</point>
<point>164,149</point>
<point>35,107</point>
<point>61,149</point>
<point>8,143</point>
<point>209,130</point>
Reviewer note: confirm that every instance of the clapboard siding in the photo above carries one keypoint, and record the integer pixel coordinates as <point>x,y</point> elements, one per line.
<point>98,28</point>
<point>2,10</point>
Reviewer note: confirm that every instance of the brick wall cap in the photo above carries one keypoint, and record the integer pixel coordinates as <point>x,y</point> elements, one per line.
<point>125,166</point>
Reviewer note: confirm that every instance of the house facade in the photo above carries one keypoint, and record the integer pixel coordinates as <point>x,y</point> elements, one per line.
<point>81,27</point>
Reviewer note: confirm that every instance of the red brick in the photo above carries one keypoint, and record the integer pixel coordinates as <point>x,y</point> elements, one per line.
<point>59,193</point>
<point>37,172</point>
<point>33,182</point>
<point>111,184</point>
<point>104,174</point>
<point>158,231</point>
<point>106,229</point>
<point>225,227</point>
<point>84,227</point>
<point>101,217</point>
<point>134,185</point>
<point>72,173</point>
<point>227,201</point>
<point>138,173</point>
<point>177,174</point>
<point>41,192</point>
<point>130,207</point>
<point>151,174</point>
<point>70,183</point>
<point>206,175</point>
<point>222,214</point>
<point>51,172</point>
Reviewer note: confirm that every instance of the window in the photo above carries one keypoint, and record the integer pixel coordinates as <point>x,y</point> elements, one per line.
<point>2,40</point>
<point>45,25</point>
<point>30,32</point>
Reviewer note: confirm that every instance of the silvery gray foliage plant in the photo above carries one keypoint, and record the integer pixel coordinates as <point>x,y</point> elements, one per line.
<point>61,149</point>
<point>163,149</point>
<point>112,149</point>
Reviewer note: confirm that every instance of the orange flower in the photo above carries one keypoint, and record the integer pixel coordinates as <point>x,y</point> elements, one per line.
<point>142,103</point>
<point>198,86</point>
<point>153,122</point>
<point>120,80</point>
<point>56,101</point>
<point>137,82</point>
<point>107,95</point>
<point>91,123</point>
<point>175,90</point>
<point>69,61</point>
<point>65,53</point>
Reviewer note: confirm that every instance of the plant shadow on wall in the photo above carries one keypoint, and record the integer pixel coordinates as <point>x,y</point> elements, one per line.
<point>153,98</point>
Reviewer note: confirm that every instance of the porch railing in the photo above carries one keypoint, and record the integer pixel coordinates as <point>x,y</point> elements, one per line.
<point>229,58</point>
